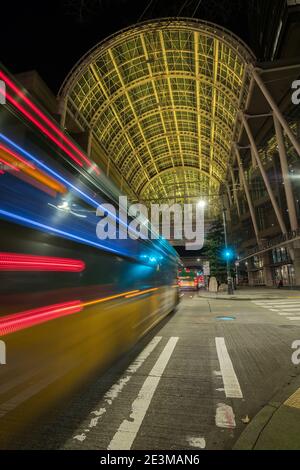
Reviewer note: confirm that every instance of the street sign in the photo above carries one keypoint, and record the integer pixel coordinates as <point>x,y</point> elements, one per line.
<point>206,268</point>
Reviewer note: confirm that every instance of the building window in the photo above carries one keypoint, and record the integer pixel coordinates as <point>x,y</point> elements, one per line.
<point>280,255</point>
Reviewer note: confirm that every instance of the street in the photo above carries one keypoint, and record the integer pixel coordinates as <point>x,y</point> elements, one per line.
<point>194,382</point>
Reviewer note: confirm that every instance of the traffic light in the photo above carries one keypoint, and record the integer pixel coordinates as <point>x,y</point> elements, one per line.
<point>228,254</point>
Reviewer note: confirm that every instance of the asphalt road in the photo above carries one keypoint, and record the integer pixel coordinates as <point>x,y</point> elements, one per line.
<point>192,383</point>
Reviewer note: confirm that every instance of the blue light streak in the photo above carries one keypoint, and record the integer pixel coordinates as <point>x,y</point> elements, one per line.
<point>47,228</point>
<point>85,196</point>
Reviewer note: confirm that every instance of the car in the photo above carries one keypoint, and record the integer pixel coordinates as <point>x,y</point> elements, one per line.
<point>188,282</point>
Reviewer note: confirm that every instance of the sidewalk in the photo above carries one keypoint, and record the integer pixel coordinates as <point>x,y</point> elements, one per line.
<point>252,293</point>
<point>277,425</point>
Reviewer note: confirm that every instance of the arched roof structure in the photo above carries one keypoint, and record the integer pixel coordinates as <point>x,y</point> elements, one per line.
<point>162,99</point>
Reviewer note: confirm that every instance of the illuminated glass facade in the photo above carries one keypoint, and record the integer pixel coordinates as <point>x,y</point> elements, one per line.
<point>162,99</point>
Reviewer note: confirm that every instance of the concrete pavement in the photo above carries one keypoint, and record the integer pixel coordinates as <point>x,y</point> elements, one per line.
<point>277,425</point>
<point>197,381</point>
<point>250,293</point>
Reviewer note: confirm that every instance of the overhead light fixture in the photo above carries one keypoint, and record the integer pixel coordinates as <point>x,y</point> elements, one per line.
<point>201,203</point>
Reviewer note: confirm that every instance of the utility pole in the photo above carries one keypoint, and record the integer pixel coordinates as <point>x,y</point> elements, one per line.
<point>229,279</point>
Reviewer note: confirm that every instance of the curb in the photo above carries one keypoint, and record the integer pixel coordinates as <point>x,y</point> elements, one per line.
<point>255,429</point>
<point>228,297</point>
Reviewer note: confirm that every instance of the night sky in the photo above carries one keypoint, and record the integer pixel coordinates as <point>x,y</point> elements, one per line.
<point>50,36</point>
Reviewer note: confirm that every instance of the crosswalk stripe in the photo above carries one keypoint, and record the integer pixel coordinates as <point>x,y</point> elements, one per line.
<point>284,308</point>
<point>280,302</point>
<point>287,309</point>
<point>288,313</point>
<point>281,305</point>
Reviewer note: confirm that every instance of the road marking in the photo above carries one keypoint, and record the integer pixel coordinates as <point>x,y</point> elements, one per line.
<point>287,309</point>
<point>198,442</point>
<point>288,313</point>
<point>225,417</point>
<point>116,389</point>
<point>286,302</point>
<point>127,432</point>
<point>230,380</point>
<point>283,307</point>
<point>277,302</point>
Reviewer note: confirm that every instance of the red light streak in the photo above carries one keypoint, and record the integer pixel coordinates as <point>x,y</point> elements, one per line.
<point>20,321</point>
<point>21,262</point>
<point>46,120</point>
<point>14,154</point>
<point>9,165</point>
<point>41,127</point>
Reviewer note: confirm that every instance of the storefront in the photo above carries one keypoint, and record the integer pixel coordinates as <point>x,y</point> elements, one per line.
<point>286,273</point>
<point>282,269</point>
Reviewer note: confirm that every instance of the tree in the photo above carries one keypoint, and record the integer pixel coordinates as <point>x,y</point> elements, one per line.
<point>213,246</point>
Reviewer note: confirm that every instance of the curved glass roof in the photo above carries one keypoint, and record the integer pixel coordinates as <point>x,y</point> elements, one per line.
<point>162,98</point>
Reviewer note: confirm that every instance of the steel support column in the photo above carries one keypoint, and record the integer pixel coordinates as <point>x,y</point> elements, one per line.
<point>62,110</point>
<point>228,195</point>
<point>248,197</point>
<point>285,175</point>
<point>108,167</point>
<point>236,200</point>
<point>276,110</point>
<point>89,144</point>
<point>264,175</point>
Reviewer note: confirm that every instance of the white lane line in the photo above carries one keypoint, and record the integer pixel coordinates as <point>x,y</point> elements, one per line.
<point>293,318</point>
<point>127,432</point>
<point>230,380</point>
<point>116,389</point>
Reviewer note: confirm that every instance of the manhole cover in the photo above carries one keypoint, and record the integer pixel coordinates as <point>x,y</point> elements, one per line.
<point>225,318</point>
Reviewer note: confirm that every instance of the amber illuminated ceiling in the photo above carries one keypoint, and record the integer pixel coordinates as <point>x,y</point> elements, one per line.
<point>162,99</point>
